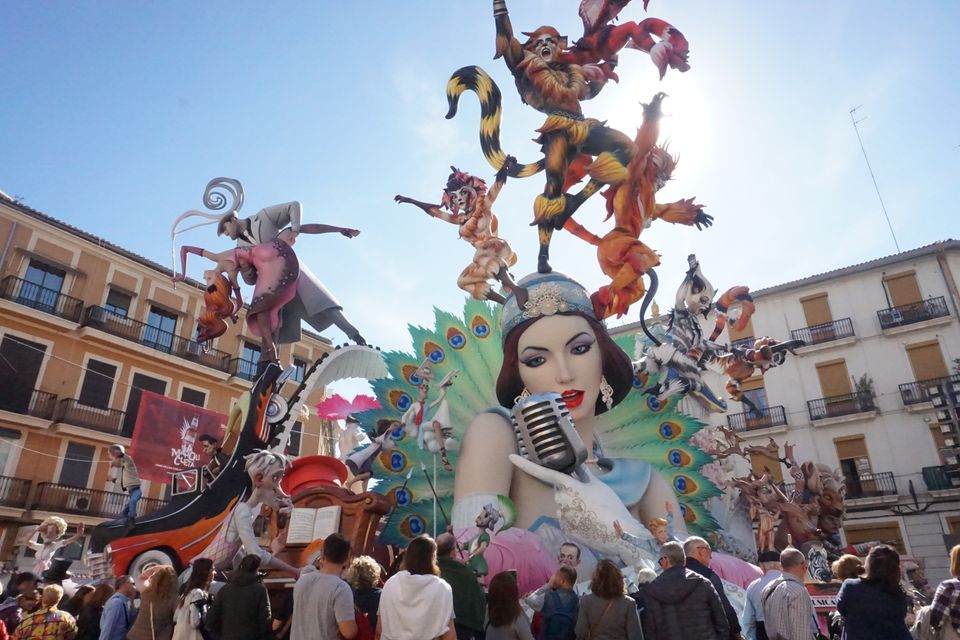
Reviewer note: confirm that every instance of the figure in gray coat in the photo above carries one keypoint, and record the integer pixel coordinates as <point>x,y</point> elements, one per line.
<point>313,302</point>
<point>681,604</point>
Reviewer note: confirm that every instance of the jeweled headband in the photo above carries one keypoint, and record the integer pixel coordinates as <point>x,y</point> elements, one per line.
<point>548,294</point>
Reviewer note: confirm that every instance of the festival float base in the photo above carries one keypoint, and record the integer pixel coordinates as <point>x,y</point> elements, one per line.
<point>180,531</point>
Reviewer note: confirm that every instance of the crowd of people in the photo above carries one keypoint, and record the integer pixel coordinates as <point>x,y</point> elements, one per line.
<point>430,593</point>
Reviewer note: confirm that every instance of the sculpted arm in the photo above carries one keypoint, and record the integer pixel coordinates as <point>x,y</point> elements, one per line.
<point>433,210</point>
<point>484,470</point>
<point>651,505</point>
<point>508,47</point>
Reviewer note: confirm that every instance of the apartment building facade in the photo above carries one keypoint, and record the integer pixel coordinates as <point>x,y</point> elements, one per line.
<point>85,328</point>
<point>875,393</point>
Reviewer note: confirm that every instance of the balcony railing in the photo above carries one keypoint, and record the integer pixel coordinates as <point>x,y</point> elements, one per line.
<point>827,332</point>
<point>139,332</point>
<point>14,492</point>
<point>63,498</point>
<point>845,405</point>
<point>71,411</point>
<point>941,478</point>
<point>744,343</point>
<point>243,369</point>
<point>911,313</point>
<point>32,295</point>
<point>871,485</point>
<point>28,402</point>
<point>748,420</point>
<point>917,392</point>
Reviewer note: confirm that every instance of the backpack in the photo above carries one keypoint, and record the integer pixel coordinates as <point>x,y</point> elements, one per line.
<point>364,630</point>
<point>559,620</point>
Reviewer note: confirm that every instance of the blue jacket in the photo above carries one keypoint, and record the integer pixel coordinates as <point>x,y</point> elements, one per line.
<point>870,612</point>
<point>117,617</point>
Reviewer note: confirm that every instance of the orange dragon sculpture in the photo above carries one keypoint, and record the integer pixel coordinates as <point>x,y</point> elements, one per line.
<point>632,204</point>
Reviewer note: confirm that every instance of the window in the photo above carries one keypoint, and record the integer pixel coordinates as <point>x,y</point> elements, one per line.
<point>77,463</point>
<point>816,309</point>
<point>42,286</point>
<point>902,289</point>
<point>140,384</point>
<point>854,463</point>
<point>926,360</point>
<point>247,363</point>
<point>192,396</point>
<point>20,362</point>
<point>299,369</point>
<point>97,384</point>
<point>834,379</point>
<point>7,443</point>
<point>118,303</point>
<point>888,532</point>
<point>160,329</point>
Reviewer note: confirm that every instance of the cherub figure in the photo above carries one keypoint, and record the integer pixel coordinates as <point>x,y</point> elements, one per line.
<point>468,204</point>
<point>438,438</point>
<point>51,532</point>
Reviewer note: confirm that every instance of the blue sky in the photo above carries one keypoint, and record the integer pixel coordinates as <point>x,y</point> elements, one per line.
<point>116,114</point>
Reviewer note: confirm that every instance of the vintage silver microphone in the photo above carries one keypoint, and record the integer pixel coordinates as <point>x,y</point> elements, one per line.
<point>546,435</point>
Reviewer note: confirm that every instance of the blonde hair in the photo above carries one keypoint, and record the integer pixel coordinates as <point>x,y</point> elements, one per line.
<point>161,583</point>
<point>57,521</point>
<point>955,561</point>
<point>52,594</point>
<point>657,522</point>
<point>364,572</point>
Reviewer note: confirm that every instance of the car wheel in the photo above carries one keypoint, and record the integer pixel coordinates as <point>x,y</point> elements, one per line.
<point>149,559</point>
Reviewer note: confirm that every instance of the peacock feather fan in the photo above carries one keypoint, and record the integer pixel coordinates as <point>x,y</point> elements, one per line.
<point>470,343</point>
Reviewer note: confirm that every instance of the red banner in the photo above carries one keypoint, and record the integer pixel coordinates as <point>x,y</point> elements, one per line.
<point>165,438</point>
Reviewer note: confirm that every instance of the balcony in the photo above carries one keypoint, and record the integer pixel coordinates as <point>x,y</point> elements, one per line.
<point>25,401</point>
<point>61,498</point>
<point>941,478</point>
<point>14,492</point>
<point>924,390</point>
<point>750,421</point>
<point>70,411</point>
<point>871,485</point>
<point>850,404</point>
<point>36,297</point>
<point>242,368</point>
<point>141,333</point>
<point>823,333</point>
<point>908,314</point>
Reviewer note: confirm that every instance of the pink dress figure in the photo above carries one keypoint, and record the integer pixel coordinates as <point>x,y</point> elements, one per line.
<point>277,272</point>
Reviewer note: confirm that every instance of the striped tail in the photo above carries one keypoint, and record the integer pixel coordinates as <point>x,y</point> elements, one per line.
<point>477,80</point>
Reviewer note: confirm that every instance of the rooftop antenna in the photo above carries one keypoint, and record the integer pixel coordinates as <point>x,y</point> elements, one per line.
<point>855,122</point>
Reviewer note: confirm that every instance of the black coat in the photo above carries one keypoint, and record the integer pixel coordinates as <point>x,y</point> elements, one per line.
<point>241,609</point>
<point>682,605</point>
<point>732,620</point>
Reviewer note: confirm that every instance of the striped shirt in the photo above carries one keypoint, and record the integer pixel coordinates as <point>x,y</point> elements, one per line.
<point>788,610</point>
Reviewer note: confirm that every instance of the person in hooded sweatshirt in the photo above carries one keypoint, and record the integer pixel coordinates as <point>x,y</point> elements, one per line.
<point>416,604</point>
<point>682,604</point>
<point>241,608</point>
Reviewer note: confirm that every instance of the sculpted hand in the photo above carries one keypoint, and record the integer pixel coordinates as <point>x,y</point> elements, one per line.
<point>350,233</point>
<point>584,507</point>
